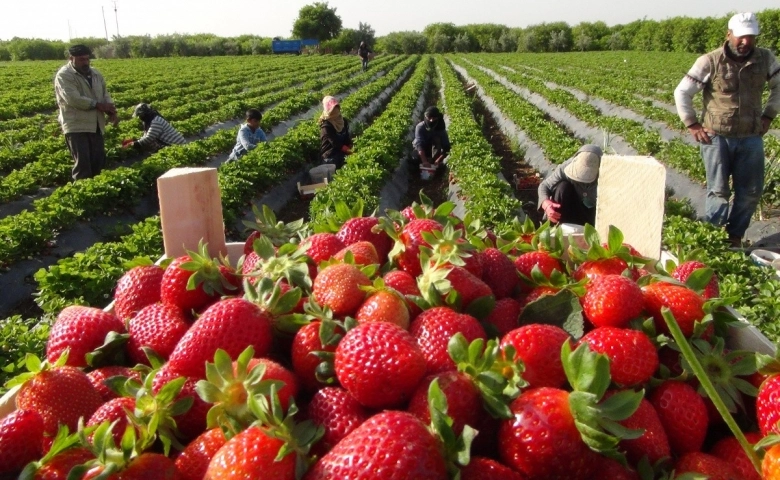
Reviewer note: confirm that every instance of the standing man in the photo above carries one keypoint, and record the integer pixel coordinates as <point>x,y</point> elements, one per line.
<point>84,103</point>
<point>363,53</point>
<point>733,122</point>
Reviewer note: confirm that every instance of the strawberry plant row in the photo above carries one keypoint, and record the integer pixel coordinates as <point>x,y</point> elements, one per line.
<point>86,278</point>
<point>377,153</point>
<point>471,163</point>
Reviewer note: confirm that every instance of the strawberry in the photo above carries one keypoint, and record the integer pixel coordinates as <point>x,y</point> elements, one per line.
<point>611,301</point>
<point>275,371</point>
<point>654,444</point>
<point>768,406</point>
<point>432,330</point>
<point>526,262</point>
<point>100,375</point>
<point>337,412</point>
<point>384,305</point>
<point>146,466</point>
<point>683,415</point>
<point>306,343</point>
<point>685,304</point>
<point>729,450</point>
<point>322,246</point>
<point>770,465</point>
<point>684,270</point>
<point>468,286</point>
<point>58,466</point>
<point>366,228</point>
<point>406,284</point>
<point>483,468</point>
<point>21,438</point>
<point>192,422</point>
<point>702,463</point>
<point>380,364</point>
<point>363,253</point>
<point>81,330</point>
<point>632,356</point>
<point>195,280</point>
<point>499,272</point>
<point>504,315</point>
<point>602,266</point>
<point>59,393</point>
<point>194,460</point>
<point>381,444</point>
<point>337,287</point>
<point>464,402</point>
<point>251,454</point>
<point>539,347</point>
<point>137,288</point>
<point>159,326</point>
<point>406,252</point>
<point>250,241</point>
<point>612,469</point>
<point>111,411</point>
<point>232,324</point>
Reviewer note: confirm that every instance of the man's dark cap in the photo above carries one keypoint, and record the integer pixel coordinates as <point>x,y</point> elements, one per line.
<point>432,112</point>
<point>79,50</point>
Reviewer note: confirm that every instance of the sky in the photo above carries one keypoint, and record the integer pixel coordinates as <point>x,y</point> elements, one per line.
<point>65,19</point>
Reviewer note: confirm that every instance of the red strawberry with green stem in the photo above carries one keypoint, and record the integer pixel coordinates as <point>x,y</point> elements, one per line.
<point>80,330</point>
<point>21,439</point>
<point>137,288</point>
<point>611,300</point>
<point>538,346</point>
<point>337,412</point>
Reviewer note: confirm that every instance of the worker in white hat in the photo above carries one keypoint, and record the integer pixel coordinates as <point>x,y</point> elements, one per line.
<point>733,122</point>
<point>568,195</point>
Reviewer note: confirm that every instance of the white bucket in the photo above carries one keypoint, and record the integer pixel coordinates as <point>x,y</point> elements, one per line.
<point>427,172</point>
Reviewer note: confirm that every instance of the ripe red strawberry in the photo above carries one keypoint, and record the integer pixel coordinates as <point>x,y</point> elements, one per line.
<point>338,413</point>
<point>381,444</point>
<point>499,272</point>
<point>363,253</point>
<point>632,356</point>
<point>685,304</point>
<point>729,450</point>
<point>684,270</point>
<point>21,439</point>
<point>683,415</point>
<point>611,301</point>
<point>504,315</point>
<point>137,288</point>
<point>322,246</point>
<point>380,364</point>
<point>210,277</point>
<point>539,347</point>
<point>100,375</point>
<point>232,325</point>
<point>60,395</point>
<point>384,305</point>
<point>432,330</point>
<point>194,460</point>
<point>541,439</point>
<point>408,256</point>
<point>82,330</point>
<point>526,262</point>
<point>468,286</point>
<point>58,467</point>
<point>337,287</point>
<point>653,443</point>
<point>602,266</point>
<point>111,411</point>
<point>276,371</point>
<point>250,241</point>
<point>768,406</point>
<point>250,264</point>
<point>251,454</point>
<point>366,228</point>
<point>702,463</point>
<point>159,326</point>
<point>483,468</point>
<point>306,342</point>
<point>174,287</point>
<point>474,263</point>
<point>406,284</point>
<point>464,401</point>
<point>146,466</point>
<point>612,469</point>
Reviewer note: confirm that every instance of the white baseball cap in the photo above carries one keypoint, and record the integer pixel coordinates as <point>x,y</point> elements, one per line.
<point>743,24</point>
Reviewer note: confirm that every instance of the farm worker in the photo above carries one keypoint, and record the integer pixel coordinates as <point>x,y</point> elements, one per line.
<point>158,133</point>
<point>732,125</point>
<point>363,53</point>
<point>335,141</point>
<point>83,102</point>
<point>250,135</point>
<point>568,195</point>
<point>431,142</point>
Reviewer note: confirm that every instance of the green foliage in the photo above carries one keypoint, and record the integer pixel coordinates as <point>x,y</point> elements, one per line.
<point>317,20</point>
<point>18,337</point>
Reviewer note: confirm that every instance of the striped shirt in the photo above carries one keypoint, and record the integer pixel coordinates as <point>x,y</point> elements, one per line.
<point>162,132</point>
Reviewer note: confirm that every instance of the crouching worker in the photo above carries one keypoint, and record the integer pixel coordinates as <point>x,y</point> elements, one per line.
<point>158,133</point>
<point>431,142</point>
<point>568,195</point>
<point>335,140</point>
<point>250,135</point>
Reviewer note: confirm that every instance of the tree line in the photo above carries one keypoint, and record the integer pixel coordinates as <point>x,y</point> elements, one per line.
<point>678,34</point>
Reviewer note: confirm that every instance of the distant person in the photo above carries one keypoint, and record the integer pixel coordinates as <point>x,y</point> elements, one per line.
<point>431,142</point>
<point>83,103</point>
<point>568,195</point>
<point>363,52</point>
<point>335,140</point>
<point>733,121</point>
<point>158,133</point>
<point>250,135</point>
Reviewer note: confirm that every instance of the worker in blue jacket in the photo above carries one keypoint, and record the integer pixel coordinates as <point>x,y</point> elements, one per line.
<point>250,135</point>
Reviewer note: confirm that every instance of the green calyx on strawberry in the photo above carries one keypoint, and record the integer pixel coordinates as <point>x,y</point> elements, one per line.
<point>446,247</point>
<point>496,373</point>
<point>456,449</point>
<point>598,252</point>
<point>288,262</point>
<point>35,366</point>
<point>597,420</point>
<point>277,232</point>
<point>207,272</point>
<point>545,239</point>
<point>271,297</point>
<point>63,441</point>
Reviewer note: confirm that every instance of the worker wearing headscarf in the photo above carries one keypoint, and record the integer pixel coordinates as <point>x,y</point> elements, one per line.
<point>335,140</point>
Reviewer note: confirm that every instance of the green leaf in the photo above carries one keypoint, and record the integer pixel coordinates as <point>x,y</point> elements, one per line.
<point>562,309</point>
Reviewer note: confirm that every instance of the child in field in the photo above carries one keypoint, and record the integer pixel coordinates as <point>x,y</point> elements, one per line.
<point>249,135</point>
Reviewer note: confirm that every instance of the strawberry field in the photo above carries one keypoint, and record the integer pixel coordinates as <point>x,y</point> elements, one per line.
<point>415,277</point>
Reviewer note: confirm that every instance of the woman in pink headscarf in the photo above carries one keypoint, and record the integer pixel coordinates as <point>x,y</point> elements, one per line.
<point>335,141</point>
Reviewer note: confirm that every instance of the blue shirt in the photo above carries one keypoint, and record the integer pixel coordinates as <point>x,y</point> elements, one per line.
<point>246,140</point>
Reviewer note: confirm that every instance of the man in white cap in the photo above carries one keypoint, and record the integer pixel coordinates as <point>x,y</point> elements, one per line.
<point>732,125</point>
<point>568,195</point>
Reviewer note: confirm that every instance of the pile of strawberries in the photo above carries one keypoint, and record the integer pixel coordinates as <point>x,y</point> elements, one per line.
<point>412,346</point>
